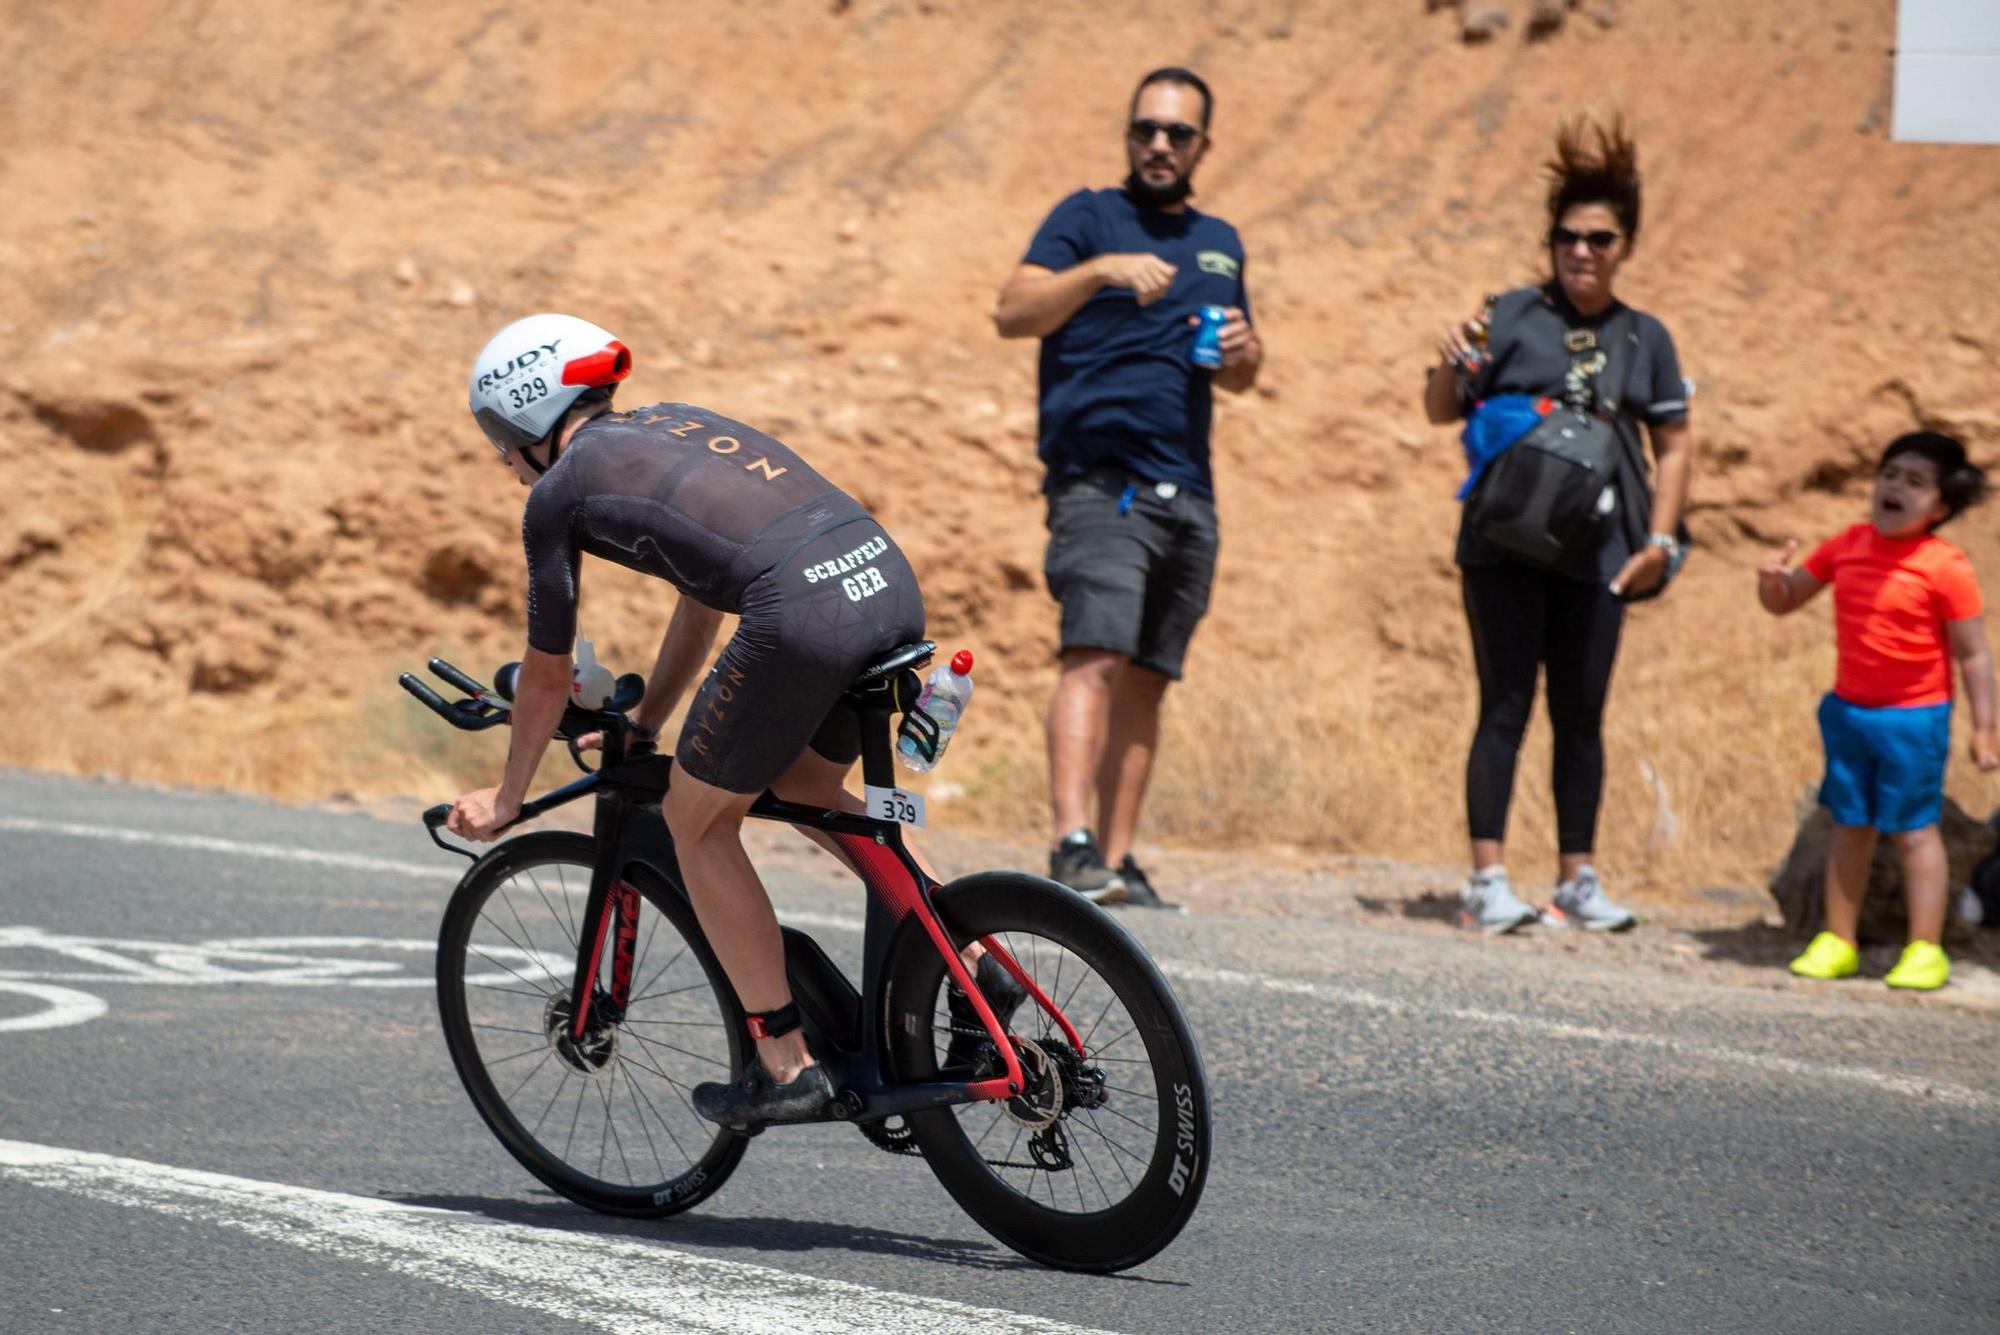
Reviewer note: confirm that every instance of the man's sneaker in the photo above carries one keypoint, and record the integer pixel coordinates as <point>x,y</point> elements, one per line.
<point>757,1100</point>
<point>1139,891</point>
<point>1078,865</point>
<point>1488,902</point>
<point>1581,902</point>
<point>1923,968</point>
<point>1827,957</point>
<point>971,1047</point>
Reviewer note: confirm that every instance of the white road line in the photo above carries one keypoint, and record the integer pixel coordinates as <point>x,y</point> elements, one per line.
<point>233,847</point>
<point>1906,1086</point>
<point>613,1284</point>
<point>60,1006</point>
<point>1938,1091</point>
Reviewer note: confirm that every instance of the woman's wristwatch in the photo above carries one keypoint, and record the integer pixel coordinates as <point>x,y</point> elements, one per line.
<point>1666,542</point>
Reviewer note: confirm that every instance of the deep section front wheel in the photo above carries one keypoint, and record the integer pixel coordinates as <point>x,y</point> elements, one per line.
<point>1101,1161</point>
<point>604,1119</point>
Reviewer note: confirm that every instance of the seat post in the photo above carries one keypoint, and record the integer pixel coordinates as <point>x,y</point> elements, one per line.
<point>878,765</point>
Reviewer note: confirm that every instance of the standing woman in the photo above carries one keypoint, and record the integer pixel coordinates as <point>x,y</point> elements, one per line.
<point>1556,340</point>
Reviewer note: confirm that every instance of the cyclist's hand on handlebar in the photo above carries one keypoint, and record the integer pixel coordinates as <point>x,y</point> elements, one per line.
<point>479,815</point>
<point>590,741</point>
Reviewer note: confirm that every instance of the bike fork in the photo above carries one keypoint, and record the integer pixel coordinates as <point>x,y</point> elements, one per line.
<point>606,902</point>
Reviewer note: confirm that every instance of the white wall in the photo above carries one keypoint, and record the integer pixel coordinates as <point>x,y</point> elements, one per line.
<point>1948,71</point>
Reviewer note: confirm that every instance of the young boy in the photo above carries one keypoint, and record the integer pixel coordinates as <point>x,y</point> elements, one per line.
<point>1905,601</point>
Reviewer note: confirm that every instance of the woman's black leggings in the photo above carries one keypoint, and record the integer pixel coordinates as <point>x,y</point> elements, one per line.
<point>1525,619</point>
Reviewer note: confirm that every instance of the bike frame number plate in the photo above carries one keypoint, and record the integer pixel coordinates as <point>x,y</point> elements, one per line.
<point>897,804</point>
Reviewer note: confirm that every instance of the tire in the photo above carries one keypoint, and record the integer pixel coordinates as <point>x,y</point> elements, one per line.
<point>1138,1162</point>
<point>610,1127</point>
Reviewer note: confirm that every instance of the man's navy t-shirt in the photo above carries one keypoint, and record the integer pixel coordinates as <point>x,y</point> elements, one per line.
<point>1117,387</point>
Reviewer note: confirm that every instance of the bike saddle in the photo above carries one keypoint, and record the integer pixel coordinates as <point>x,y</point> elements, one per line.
<point>909,656</point>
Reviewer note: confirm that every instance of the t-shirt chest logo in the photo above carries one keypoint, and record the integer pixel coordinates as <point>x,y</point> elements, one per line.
<point>1218,263</point>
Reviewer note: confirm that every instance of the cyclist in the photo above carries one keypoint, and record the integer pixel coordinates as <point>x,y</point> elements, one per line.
<point>738,523</point>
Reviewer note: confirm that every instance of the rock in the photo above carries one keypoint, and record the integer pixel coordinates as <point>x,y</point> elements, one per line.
<point>1797,885</point>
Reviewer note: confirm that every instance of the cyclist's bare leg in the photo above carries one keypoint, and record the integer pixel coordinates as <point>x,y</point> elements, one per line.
<point>733,909</point>
<point>1133,737</point>
<point>815,781</point>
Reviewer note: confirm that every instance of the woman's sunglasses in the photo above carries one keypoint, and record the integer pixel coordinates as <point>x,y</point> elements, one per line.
<point>1562,238</point>
<point>1179,133</point>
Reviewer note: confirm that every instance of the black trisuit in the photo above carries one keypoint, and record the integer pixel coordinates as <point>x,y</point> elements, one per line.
<point>737,521</point>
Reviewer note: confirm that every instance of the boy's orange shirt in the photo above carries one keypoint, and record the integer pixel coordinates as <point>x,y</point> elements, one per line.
<point>1891,600</point>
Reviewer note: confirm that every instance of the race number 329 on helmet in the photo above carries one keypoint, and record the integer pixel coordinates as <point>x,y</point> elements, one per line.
<point>531,373</point>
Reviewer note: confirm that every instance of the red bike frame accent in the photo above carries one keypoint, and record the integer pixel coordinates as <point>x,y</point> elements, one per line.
<point>899,890</point>
<point>623,903</point>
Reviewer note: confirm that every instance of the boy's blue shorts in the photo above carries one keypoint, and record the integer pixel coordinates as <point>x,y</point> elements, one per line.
<point>1884,767</point>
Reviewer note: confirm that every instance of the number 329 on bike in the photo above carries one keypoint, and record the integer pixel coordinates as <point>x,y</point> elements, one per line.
<point>897,804</point>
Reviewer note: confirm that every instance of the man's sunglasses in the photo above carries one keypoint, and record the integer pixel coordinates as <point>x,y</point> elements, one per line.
<point>1179,133</point>
<point>1562,238</point>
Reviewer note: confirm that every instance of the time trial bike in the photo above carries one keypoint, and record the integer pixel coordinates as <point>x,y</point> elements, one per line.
<point>581,1004</point>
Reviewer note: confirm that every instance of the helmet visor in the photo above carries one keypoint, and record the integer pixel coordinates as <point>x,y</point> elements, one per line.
<point>502,431</point>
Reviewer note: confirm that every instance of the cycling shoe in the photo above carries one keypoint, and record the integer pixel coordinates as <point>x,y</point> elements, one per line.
<point>969,1041</point>
<point>757,1100</point>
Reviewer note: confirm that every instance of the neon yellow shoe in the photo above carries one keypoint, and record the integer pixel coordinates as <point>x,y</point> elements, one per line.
<point>1827,957</point>
<point>1924,968</point>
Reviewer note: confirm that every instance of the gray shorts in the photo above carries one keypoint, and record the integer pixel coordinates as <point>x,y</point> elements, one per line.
<point>808,627</point>
<point>1132,572</point>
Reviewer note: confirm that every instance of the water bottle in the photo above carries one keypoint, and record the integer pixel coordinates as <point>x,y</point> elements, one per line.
<point>927,729</point>
<point>590,682</point>
<point>1207,350</point>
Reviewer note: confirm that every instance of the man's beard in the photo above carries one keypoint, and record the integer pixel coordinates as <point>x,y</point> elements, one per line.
<point>1158,196</point>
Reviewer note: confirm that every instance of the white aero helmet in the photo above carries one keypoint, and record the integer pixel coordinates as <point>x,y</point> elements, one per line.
<point>530,373</point>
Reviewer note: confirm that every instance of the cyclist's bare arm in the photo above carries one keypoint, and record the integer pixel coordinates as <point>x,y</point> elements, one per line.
<point>684,652</point>
<point>540,696</point>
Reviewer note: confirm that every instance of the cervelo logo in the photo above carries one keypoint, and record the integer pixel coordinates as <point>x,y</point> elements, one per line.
<point>519,362</point>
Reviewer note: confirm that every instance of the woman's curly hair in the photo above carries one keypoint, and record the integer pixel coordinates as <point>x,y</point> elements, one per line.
<point>1595,163</point>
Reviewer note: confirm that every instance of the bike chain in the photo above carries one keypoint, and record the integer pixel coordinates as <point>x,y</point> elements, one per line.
<point>901,1139</point>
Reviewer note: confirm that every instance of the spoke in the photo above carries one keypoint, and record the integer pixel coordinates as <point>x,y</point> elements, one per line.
<point>509,991</point>
<point>674,992</point>
<point>652,930</point>
<point>526,935</point>
<point>561,919</point>
<point>514,1056</point>
<point>568,903</point>
<point>660,972</point>
<point>1121,1061</point>
<point>1109,1002</point>
<point>644,1130</point>
<point>683,1024</point>
<point>611,1128</point>
<point>507,1029</point>
<point>551,1106</point>
<point>664,1075</point>
<point>1117,1150</point>
<point>1131,1121</point>
<point>656,1043</point>
<point>479,950</point>
<point>1076,1143</point>
<point>547,1057</point>
<point>1125,1034</point>
<point>570,1140</point>
<point>647,1099</point>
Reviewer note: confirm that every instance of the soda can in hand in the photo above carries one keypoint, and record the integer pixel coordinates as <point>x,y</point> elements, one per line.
<point>1207,350</point>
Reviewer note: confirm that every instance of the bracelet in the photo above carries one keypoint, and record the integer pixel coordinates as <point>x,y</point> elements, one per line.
<point>1666,542</point>
<point>644,733</point>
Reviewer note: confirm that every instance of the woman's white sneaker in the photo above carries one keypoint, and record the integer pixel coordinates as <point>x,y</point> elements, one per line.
<point>1581,902</point>
<point>1489,903</point>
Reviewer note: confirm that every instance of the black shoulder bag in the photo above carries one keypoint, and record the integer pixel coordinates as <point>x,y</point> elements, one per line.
<point>1551,498</point>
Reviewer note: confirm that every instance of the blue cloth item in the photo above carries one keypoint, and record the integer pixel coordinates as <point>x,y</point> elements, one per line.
<point>1884,767</point>
<point>1117,388</point>
<point>1492,426</point>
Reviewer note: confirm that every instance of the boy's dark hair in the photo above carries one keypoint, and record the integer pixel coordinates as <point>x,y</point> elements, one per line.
<point>1961,482</point>
<point>1187,79</point>
<point>1606,172</point>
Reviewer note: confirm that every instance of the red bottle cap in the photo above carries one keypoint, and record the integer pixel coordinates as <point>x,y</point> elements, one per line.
<point>961,662</point>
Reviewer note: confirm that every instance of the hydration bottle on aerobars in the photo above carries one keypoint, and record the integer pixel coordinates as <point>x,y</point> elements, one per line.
<point>926,729</point>
<point>1207,350</point>
<point>590,682</point>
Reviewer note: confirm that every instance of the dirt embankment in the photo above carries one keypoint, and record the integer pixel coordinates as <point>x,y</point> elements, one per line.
<point>249,252</point>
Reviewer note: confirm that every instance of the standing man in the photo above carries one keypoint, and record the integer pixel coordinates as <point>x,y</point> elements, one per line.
<point>1113,284</point>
